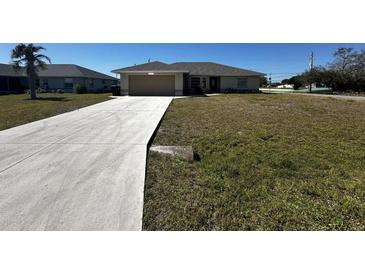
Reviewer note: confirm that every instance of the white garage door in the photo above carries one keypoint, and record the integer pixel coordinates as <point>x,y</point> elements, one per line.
<point>146,85</point>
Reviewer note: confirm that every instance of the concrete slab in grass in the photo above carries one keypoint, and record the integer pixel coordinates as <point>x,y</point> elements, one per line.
<point>185,152</point>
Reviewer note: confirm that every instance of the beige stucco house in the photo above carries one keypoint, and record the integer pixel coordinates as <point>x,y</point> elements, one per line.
<point>157,78</point>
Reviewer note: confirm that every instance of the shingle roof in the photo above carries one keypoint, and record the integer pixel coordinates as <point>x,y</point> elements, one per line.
<point>155,66</point>
<point>209,68</point>
<point>57,70</point>
<point>194,68</point>
<point>7,70</point>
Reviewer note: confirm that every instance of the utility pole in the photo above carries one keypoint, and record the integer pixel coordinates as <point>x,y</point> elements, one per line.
<point>270,82</point>
<point>310,70</point>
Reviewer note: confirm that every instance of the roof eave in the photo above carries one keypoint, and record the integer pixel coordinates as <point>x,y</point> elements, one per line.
<point>149,71</point>
<point>228,75</point>
<point>12,75</point>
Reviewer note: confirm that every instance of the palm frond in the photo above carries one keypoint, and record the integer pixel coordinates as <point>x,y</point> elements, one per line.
<point>17,65</point>
<point>26,55</point>
<point>42,56</point>
<point>39,64</point>
<point>18,51</point>
<point>37,49</point>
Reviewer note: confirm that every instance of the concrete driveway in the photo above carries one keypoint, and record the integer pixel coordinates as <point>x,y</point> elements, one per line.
<point>82,170</point>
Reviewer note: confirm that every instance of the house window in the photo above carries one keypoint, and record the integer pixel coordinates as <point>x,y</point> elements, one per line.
<point>103,81</point>
<point>91,83</point>
<point>242,83</point>
<point>194,82</point>
<point>37,83</point>
<point>204,82</point>
<point>45,83</point>
<point>69,83</point>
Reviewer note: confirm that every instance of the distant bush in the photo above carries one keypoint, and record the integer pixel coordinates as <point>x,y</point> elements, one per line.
<point>297,81</point>
<point>233,90</point>
<point>80,89</point>
<point>198,90</point>
<point>41,90</point>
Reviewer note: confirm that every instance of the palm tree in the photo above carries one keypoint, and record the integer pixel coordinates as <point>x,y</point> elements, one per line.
<point>28,56</point>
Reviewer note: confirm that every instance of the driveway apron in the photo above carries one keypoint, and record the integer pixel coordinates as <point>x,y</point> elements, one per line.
<point>81,170</point>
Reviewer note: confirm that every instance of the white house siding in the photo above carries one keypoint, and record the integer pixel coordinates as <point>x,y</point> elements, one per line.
<point>55,83</point>
<point>124,84</point>
<point>179,84</point>
<point>78,81</point>
<point>253,82</point>
<point>98,84</point>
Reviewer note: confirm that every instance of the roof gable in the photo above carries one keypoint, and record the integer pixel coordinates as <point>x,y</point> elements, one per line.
<point>194,68</point>
<point>156,65</point>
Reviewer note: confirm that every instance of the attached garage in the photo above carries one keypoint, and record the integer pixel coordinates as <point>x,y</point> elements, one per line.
<point>145,85</point>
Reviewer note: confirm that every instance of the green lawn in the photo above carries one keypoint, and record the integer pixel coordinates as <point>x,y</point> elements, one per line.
<point>19,109</point>
<point>268,162</point>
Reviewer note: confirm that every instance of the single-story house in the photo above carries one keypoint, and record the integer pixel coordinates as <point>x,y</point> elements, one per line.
<point>157,78</point>
<point>63,77</point>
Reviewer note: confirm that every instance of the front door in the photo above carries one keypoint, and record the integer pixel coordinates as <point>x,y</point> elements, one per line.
<point>213,83</point>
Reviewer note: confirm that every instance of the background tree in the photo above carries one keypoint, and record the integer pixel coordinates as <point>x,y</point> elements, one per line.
<point>358,71</point>
<point>27,56</point>
<point>345,73</point>
<point>344,58</point>
<point>263,81</point>
<point>297,81</point>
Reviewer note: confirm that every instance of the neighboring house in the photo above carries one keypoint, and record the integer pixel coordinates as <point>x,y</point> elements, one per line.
<point>56,77</point>
<point>157,78</point>
<point>286,86</point>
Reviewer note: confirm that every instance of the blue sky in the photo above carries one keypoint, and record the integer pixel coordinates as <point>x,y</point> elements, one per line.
<point>283,60</point>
